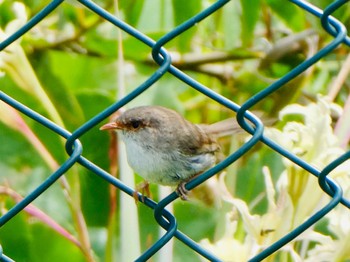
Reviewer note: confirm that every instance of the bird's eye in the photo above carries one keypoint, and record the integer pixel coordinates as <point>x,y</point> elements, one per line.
<point>135,124</point>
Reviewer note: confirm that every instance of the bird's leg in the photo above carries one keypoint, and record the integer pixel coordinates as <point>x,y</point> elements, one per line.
<point>143,188</point>
<point>181,191</point>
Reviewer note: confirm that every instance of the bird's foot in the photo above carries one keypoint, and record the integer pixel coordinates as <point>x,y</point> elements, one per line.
<point>181,191</point>
<point>142,188</point>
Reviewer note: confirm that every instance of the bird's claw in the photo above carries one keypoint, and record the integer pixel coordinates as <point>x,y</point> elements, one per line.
<point>142,188</point>
<point>181,191</point>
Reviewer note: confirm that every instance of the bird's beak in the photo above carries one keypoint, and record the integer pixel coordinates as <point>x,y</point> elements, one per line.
<point>110,126</point>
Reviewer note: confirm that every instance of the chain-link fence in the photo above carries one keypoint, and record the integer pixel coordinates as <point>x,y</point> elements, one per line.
<point>160,55</point>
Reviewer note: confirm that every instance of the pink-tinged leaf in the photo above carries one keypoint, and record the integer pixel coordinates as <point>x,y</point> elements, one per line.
<point>40,215</point>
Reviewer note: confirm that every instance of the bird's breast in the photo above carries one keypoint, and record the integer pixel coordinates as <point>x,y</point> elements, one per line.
<point>166,168</point>
<point>146,161</point>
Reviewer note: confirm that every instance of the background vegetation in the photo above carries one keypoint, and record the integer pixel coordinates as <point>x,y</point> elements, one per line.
<point>67,69</point>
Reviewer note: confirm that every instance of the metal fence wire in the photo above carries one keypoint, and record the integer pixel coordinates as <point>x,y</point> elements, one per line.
<point>160,55</point>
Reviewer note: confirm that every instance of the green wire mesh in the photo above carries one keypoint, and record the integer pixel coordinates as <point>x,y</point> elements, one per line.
<point>160,55</point>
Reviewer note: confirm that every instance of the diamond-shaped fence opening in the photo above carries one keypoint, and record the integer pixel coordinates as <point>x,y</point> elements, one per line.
<point>268,241</point>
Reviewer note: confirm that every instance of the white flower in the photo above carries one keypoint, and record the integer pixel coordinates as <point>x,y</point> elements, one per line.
<point>228,248</point>
<point>295,197</point>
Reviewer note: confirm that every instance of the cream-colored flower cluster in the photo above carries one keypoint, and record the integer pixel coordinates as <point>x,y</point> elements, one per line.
<point>294,197</point>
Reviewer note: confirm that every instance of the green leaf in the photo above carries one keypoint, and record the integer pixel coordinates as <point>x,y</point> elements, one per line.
<point>250,16</point>
<point>292,15</point>
<point>15,238</point>
<point>184,10</point>
<point>96,145</point>
<point>132,10</point>
<point>59,249</point>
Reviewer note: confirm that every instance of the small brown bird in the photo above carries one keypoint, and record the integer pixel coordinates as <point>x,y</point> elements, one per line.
<point>164,148</point>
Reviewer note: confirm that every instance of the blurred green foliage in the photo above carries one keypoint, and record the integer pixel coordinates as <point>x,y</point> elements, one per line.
<point>74,55</point>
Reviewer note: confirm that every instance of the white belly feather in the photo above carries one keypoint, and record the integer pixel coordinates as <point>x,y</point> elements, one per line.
<point>164,168</point>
